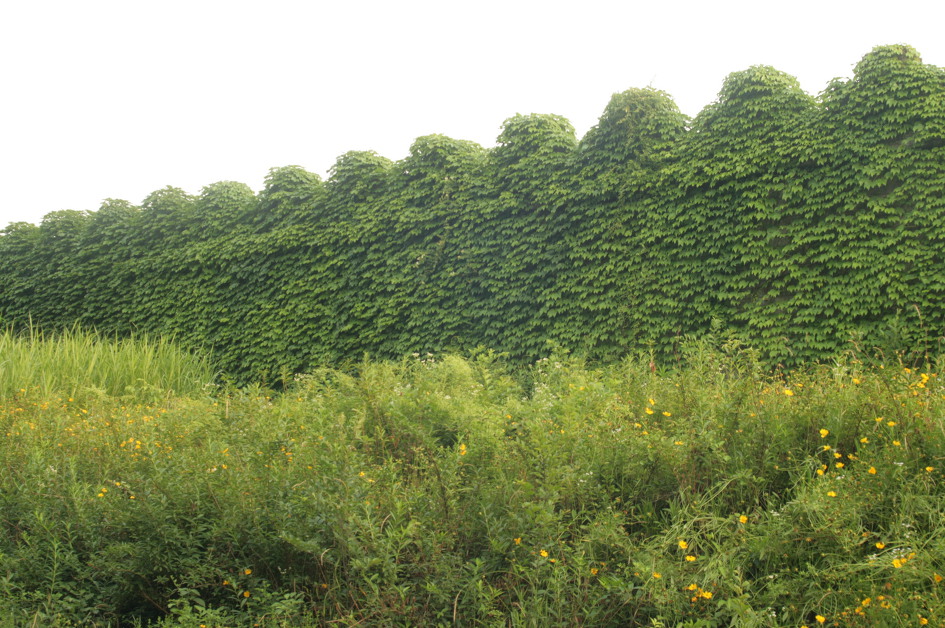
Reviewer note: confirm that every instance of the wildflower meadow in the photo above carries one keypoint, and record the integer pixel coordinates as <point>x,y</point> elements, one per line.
<point>444,490</point>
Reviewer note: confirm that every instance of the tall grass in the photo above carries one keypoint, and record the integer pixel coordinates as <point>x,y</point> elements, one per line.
<point>79,363</point>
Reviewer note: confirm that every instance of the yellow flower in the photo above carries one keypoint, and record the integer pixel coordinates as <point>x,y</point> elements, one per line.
<point>880,545</point>
<point>649,411</point>
<point>837,454</point>
<point>692,587</point>
<point>891,424</point>
<point>831,494</point>
<point>683,545</point>
<point>544,553</point>
<point>788,392</point>
<point>930,469</point>
<point>667,413</point>
<point>923,621</point>
<point>246,593</point>
<point>652,402</point>
<point>690,558</point>
<point>820,619</point>
<point>864,440</point>
<point>518,540</point>
<point>872,471</point>
<point>226,582</point>
<point>247,571</point>
<point>856,380</point>
<point>656,574</point>
<point>743,519</point>
<point>462,449</point>
<point>706,594</point>
<point>896,443</point>
<point>593,571</point>
<point>938,578</point>
<point>824,433</point>
<point>839,465</point>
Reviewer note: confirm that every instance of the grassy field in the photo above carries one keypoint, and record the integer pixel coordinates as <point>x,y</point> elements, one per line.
<point>444,490</point>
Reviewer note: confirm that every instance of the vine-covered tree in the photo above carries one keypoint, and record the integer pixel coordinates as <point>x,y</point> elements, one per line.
<point>791,220</point>
<point>612,261</point>
<point>517,248</point>
<point>292,195</point>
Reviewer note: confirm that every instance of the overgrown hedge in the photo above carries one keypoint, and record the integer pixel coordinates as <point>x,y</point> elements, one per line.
<point>793,220</point>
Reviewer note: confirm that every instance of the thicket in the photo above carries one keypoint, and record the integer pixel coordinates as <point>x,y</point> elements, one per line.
<point>434,492</point>
<point>792,220</point>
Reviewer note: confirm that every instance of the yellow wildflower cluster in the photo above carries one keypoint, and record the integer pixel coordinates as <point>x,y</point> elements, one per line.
<point>649,409</point>
<point>900,562</point>
<point>698,593</point>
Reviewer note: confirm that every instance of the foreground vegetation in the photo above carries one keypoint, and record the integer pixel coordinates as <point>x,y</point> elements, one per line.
<point>445,491</point>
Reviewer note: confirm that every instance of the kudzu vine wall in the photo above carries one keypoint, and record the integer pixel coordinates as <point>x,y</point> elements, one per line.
<point>792,220</point>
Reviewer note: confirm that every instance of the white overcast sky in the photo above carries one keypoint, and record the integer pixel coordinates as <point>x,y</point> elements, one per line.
<point>118,98</point>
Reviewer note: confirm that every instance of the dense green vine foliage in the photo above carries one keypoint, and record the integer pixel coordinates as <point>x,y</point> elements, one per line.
<point>791,220</point>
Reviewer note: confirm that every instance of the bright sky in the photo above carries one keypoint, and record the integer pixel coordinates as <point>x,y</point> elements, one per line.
<point>118,98</point>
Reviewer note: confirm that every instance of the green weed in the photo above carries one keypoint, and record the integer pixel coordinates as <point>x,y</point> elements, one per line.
<point>446,491</point>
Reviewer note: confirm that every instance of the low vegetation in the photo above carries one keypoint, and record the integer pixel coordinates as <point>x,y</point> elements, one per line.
<point>446,490</point>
